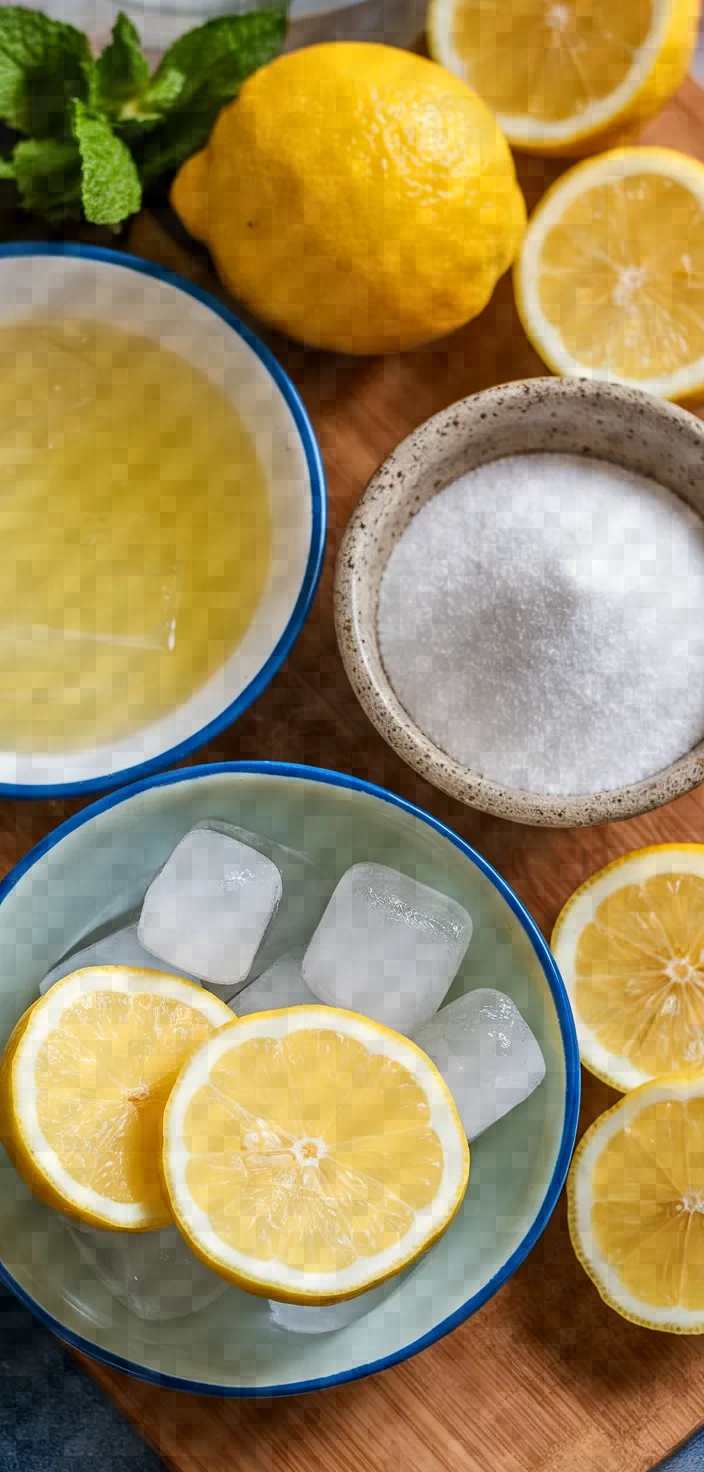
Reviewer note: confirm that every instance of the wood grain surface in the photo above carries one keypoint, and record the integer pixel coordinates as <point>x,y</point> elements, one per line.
<point>544,1378</point>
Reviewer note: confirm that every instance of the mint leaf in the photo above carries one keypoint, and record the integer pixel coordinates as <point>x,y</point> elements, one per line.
<point>43,65</point>
<point>218,56</point>
<point>7,168</point>
<point>48,176</point>
<point>197,76</point>
<point>229,48</point>
<point>121,72</point>
<point>110,187</point>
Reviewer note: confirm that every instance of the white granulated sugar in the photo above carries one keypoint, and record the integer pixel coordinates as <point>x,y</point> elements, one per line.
<point>542,620</point>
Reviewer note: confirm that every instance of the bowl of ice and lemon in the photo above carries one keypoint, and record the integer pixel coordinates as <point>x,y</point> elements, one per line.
<point>289,1082</point>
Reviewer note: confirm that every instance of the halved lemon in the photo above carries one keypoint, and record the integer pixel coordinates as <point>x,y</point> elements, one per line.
<point>83,1083</point>
<point>564,77</point>
<point>636,1205</point>
<point>310,1154</point>
<point>610,280</point>
<point>630,946</point>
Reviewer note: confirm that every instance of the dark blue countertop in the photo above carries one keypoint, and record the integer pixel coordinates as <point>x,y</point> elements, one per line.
<point>688,1457</point>
<point>53,1417</point>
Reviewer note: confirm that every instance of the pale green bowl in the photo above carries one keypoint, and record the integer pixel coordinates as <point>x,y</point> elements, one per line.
<point>96,867</point>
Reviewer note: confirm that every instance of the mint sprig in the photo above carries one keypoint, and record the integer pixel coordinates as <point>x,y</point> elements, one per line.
<point>98,131</point>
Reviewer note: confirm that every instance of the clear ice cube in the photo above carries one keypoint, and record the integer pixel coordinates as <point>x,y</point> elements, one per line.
<point>487,1055</point>
<point>281,986</point>
<point>154,1274</point>
<point>306,891</point>
<point>298,1318</point>
<point>121,948</point>
<point>387,946</point>
<point>207,910</point>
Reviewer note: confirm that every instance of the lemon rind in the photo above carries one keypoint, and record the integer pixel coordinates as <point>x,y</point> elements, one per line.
<point>609,167</point>
<point>280,1281</point>
<point>579,1202</point>
<point>657,858</point>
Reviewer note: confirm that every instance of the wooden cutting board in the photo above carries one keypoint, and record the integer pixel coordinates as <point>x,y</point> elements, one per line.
<point>544,1378</point>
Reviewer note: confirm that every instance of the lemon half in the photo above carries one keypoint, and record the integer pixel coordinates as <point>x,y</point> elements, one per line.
<point>83,1083</point>
<point>636,1205</point>
<point>602,289</point>
<point>564,77</point>
<point>630,946</point>
<point>311,1153</point>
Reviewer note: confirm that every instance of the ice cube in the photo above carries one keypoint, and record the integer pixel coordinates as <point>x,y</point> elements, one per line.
<point>154,1274</point>
<point>387,946</point>
<point>281,986</point>
<point>298,1318</point>
<point>486,1054</point>
<point>121,948</point>
<point>208,908</point>
<point>306,891</point>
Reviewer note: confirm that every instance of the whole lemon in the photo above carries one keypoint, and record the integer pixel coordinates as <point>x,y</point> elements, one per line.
<point>357,197</point>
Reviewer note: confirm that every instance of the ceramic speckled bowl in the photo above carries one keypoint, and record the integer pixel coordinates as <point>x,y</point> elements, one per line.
<point>92,872</point>
<point>631,429</point>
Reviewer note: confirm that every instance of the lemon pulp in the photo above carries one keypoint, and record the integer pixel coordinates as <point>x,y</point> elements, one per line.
<point>565,77</point>
<point>310,1158</point>
<point>639,974</point>
<point>636,1204</point>
<point>630,946</point>
<point>84,1081</point>
<point>648,1211</point>
<point>549,60</point>
<point>135,526</point>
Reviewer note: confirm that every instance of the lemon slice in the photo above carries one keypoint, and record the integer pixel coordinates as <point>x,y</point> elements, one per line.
<point>83,1083</point>
<point>310,1153</point>
<point>630,946</point>
<point>636,1205</point>
<point>564,77</point>
<point>603,291</point>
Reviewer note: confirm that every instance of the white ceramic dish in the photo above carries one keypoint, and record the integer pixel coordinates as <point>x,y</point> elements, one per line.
<point>133,294</point>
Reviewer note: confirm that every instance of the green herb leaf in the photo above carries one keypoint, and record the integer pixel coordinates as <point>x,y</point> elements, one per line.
<point>7,168</point>
<point>43,66</point>
<point>48,176</point>
<point>110,187</point>
<point>121,72</point>
<point>198,75</point>
<point>222,53</point>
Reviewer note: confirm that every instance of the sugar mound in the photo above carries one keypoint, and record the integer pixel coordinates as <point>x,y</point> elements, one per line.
<point>542,620</point>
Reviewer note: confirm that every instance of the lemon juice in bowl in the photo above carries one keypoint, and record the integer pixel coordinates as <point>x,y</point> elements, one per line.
<point>135,522</point>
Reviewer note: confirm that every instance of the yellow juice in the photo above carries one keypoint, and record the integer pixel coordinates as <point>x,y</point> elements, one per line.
<point>135,531</point>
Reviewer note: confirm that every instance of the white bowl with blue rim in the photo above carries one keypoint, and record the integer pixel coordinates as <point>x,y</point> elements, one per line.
<point>92,872</point>
<point>133,294</point>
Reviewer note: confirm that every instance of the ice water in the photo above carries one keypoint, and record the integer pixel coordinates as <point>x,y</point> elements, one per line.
<point>281,986</point>
<point>487,1055</point>
<point>207,910</point>
<point>154,1274</point>
<point>121,948</point>
<point>387,946</point>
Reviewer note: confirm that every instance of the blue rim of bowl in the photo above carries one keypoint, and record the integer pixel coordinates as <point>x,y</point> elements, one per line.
<point>572,1080</point>
<point>311,576</point>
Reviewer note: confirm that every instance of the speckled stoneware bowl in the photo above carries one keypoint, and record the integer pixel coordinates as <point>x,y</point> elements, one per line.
<point>567,416</point>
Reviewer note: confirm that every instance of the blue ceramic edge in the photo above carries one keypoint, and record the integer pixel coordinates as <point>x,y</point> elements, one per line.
<point>314,564</point>
<point>572,1081</point>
